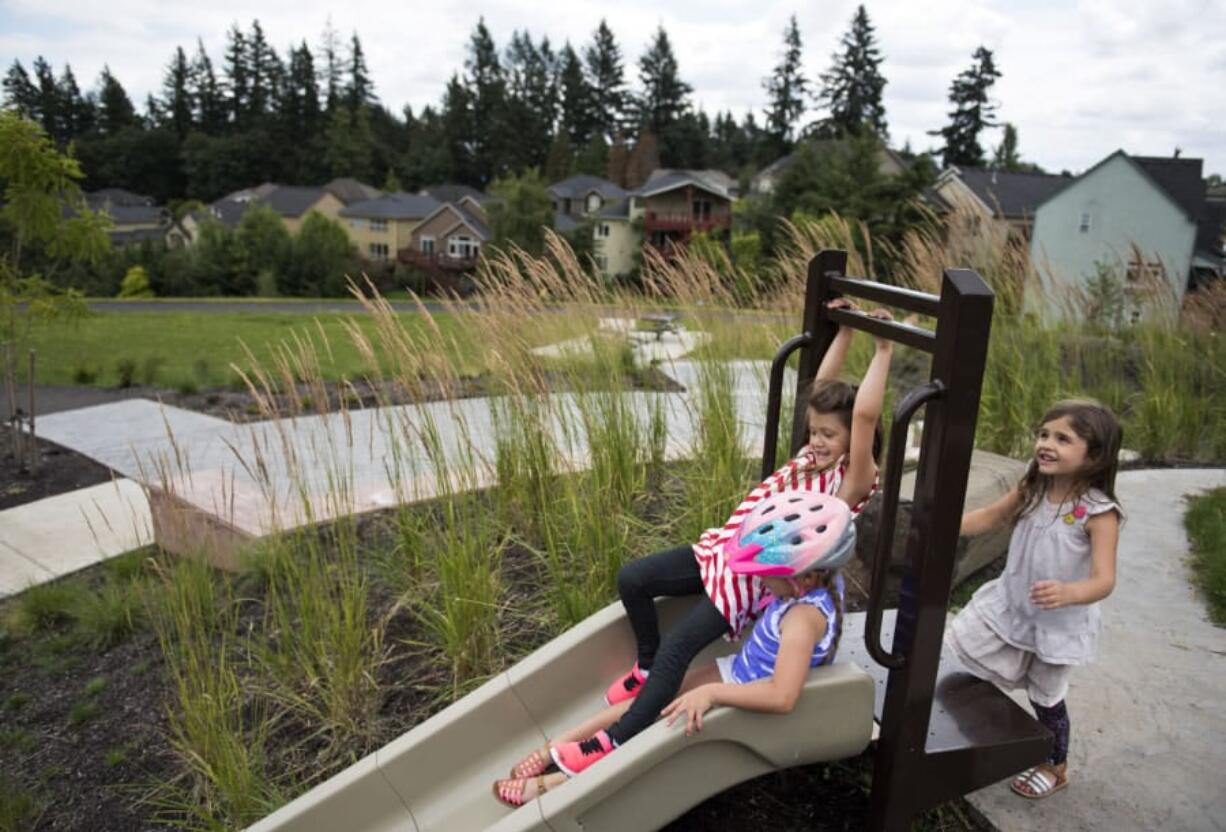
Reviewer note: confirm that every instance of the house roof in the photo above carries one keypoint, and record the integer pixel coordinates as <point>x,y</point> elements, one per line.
<point>1010,194</point>
<point>227,211</point>
<point>618,210</point>
<point>396,206</point>
<point>452,193</point>
<point>349,190</point>
<point>777,167</point>
<point>564,223</point>
<point>670,180</point>
<point>116,196</point>
<point>136,235</point>
<point>292,200</point>
<point>463,217</point>
<point>579,186</point>
<point>475,222</point>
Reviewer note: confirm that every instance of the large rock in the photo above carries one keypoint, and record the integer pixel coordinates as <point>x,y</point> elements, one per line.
<point>991,476</point>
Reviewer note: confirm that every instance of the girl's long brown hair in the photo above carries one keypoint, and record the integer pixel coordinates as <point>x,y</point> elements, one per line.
<point>1097,425</point>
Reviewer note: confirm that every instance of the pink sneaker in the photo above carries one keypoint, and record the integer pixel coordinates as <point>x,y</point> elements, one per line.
<point>627,687</point>
<point>574,757</point>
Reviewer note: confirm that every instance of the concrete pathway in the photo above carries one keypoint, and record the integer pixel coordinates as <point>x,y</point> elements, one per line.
<point>1148,743</point>
<point>52,537</point>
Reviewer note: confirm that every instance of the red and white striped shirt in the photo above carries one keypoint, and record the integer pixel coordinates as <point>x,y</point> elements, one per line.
<point>737,597</point>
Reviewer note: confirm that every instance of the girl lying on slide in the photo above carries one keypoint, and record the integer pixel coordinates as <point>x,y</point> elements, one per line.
<point>794,542</point>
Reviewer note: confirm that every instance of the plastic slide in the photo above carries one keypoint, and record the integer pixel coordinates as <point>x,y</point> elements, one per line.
<point>438,775</point>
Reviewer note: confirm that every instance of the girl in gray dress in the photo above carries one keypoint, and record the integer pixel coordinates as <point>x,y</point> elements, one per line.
<point>1040,618</point>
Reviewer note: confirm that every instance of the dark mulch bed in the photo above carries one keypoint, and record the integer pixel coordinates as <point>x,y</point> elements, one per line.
<point>58,470</point>
<point>238,405</point>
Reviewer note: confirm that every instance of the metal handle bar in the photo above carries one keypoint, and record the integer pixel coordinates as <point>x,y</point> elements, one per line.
<point>774,399</point>
<point>911,336</point>
<point>920,302</point>
<point>889,513</point>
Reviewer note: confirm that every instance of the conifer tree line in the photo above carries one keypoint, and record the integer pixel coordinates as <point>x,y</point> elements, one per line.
<point>312,112</point>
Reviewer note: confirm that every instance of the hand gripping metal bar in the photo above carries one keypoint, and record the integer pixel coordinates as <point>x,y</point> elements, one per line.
<point>889,513</point>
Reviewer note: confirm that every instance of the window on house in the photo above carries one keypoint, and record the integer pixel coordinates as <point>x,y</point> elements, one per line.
<point>1085,222</point>
<point>427,246</point>
<point>593,203</point>
<point>1144,271</point>
<point>463,247</point>
<point>602,230</point>
<point>378,251</point>
<point>357,223</point>
<point>602,262</point>
<point>702,209</point>
<point>378,225</point>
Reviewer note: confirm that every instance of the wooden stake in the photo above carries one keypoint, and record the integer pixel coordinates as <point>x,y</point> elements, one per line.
<point>10,386</point>
<point>33,442</point>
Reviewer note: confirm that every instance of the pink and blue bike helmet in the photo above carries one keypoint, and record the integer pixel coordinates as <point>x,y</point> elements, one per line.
<point>791,533</point>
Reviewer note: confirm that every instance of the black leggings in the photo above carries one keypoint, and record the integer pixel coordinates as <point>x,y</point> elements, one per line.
<point>671,572</point>
<point>1055,719</point>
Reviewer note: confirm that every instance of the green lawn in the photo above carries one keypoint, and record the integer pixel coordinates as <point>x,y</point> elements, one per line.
<point>1206,524</point>
<point>180,349</point>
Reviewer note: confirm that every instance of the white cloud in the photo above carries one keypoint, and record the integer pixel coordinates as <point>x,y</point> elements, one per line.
<point>1079,79</point>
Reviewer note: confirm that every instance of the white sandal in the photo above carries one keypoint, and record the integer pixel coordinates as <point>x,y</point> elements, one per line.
<point>1039,782</point>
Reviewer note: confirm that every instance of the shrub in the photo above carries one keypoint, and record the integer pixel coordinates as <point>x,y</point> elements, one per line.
<point>46,606</point>
<point>135,284</point>
<point>84,375</point>
<point>112,614</point>
<point>125,369</point>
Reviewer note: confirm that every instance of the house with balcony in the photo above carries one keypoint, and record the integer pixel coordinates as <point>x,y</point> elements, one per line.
<point>664,213</point>
<point>383,226</point>
<point>1144,218</point>
<point>450,238</point>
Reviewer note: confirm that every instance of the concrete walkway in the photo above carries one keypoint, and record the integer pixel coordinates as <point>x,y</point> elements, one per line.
<point>1148,744</point>
<point>49,538</point>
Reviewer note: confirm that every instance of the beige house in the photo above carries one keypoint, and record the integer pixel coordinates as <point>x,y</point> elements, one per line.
<point>382,227</point>
<point>766,180</point>
<point>995,194</point>
<point>451,237</point>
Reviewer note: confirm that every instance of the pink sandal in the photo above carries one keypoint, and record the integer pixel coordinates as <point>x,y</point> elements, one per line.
<point>535,764</point>
<point>513,791</point>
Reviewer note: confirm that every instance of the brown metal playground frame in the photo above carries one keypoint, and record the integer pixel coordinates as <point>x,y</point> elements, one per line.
<point>943,732</point>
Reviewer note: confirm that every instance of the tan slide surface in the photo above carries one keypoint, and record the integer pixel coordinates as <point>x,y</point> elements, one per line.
<point>437,776</point>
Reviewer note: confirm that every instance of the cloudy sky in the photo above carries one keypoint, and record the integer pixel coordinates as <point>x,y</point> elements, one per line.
<point>1080,79</point>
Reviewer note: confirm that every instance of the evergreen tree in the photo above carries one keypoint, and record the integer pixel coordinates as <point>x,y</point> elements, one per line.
<point>330,49</point>
<point>973,111</point>
<point>237,83</point>
<point>206,93</point>
<point>1006,156</point>
<point>664,95</point>
<point>20,94</point>
<point>560,162</point>
<point>605,77</point>
<point>427,159</point>
<point>347,144</point>
<point>300,123</point>
<point>459,134</point>
<point>593,158</point>
<point>852,89</point>
<point>787,88</point>
<point>76,110</point>
<point>487,94</point>
<point>262,73</point>
<point>115,110</point>
<point>48,107</point>
<point>176,97</point>
<point>532,100</point>
<point>577,100</point>
<point>359,90</point>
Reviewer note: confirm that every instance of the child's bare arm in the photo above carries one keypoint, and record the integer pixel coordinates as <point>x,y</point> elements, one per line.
<point>803,627</point>
<point>832,361</point>
<point>1104,532</point>
<point>990,516</point>
<point>870,398</point>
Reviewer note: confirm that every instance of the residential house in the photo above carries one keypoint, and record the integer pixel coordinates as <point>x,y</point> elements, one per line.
<point>454,193</point>
<point>580,198</point>
<point>291,202</point>
<point>764,182</point>
<point>994,194</point>
<point>135,218</point>
<point>663,213</point>
<point>1145,217</point>
<point>349,190</point>
<point>451,237</point>
<point>381,227</point>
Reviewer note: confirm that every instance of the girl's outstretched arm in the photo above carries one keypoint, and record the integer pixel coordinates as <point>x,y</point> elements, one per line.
<point>1104,532</point>
<point>802,628</point>
<point>832,361</point>
<point>870,398</point>
<point>990,516</point>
